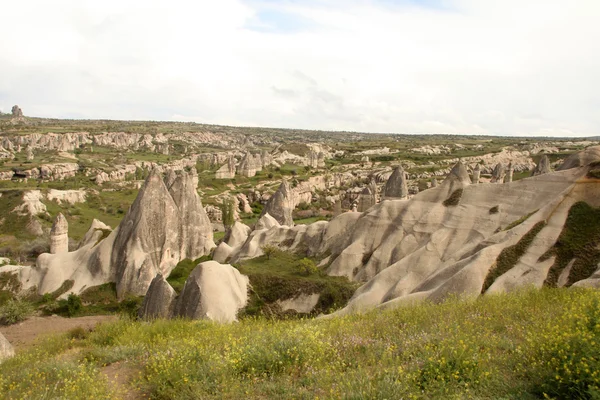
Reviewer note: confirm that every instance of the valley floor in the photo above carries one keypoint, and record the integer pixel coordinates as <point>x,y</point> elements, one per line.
<point>522,345</point>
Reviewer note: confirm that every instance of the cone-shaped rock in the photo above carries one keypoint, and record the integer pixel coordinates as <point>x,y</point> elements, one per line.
<point>161,228</point>
<point>543,167</point>
<point>458,173</point>
<point>213,291</point>
<point>266,222</point>
<point>59,235</point>
<point>396,186</point>
<point>498,173</point>
<point>246,167</point>
<point>281,205</point>
<point>159,300</point>
<point>476,174</point>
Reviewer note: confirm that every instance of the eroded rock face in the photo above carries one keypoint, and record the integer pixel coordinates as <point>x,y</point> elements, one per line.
<point>281,205</point>
<point>247,167</point>
<point>159,300</point>
<point>213,291</point>
<point>543,167</point>
<point>498,174</point>
<point>6,349</point>
<point>163,226</point>
<point>227,171</point>
<point>237,234</point>
<point>59,235</point>
<point>396,186</point>
<point>476,174</point>
<point>585,157</point>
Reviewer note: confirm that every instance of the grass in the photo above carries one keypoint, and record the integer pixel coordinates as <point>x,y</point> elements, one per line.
<point>525,345</point>
<point>509,256</point>
<point>519,221</point>
<point>182,270</point>
<point>280,276</point>
<point>454,198</point>
<point>579,241</point>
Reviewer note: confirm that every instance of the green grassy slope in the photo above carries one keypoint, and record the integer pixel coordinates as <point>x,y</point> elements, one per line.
<point>520,346</point>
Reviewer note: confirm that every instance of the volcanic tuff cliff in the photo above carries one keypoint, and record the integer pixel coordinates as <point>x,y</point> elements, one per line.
<point>164,225</point>
<point>456,238</point>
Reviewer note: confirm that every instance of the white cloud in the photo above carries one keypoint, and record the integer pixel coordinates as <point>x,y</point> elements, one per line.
<point>511,67</point>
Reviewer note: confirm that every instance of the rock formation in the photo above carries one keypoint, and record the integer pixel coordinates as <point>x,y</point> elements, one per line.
<point>59,235</point>
<point>213,291</point>
<point>247,167</point>
<point>281,205</point>
<point>396,186</point>
<point>366,199</point>
<point>159,300</point>
<point>237,234</point>
<point>509,173</point>
<point>434,182</point>
<point>476,174</point>
<point>29,152</point>
<point>227,171</point>
<point>6,349</point>
<point>543,167</point>
<point>163,226</point>
<point>266,221</point>
<point>498,174</point>
<point>16,111</point>
<point>582,158</point>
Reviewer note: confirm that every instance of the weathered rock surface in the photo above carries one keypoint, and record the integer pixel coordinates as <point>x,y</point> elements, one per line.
<point>59,235</point>
<point>396,186</point>
<point>498,173</point>
<point>247,166</point>
<point>213,291</point>
<point>237,234</point>
<point>6,349</point>
<point>423,249</point>
<point>222,253</point>
<point>163,226</point>
<point>281,205</point>
<point>303,303</point>
<point>227,171</point>
<point>266,222</point>
<point>585,157</point>
<point>159,300</point>
<point>543,167</point>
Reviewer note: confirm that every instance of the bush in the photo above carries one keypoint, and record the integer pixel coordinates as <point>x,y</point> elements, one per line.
<point>73,304</point>
<point>130,306</point>
<point>269,250</point>
<point>454,198</point>
<point>307,267</point>
<point>14,311</point>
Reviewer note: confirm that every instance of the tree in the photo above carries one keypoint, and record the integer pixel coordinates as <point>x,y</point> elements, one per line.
<point>227,213</point>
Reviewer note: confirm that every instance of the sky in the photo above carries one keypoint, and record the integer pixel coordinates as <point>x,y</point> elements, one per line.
<point>495,67</point>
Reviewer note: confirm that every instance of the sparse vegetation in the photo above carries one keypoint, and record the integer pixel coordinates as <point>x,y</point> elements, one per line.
<point>14,311</point>
<point>454,198</point>
<point>578,242</point>
<point>526,345</point>
<point>509,256</point>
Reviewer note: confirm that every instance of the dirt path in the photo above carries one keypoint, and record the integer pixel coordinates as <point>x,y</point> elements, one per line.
<point>25,334</point>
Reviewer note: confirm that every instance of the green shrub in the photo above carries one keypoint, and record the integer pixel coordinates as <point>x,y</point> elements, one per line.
<point>14,311</point>
<point>268,250</point>
<point>307,267</point>
<point>131,305</point>
<point>73,304</point>
<point>509,256</point>
<point>454,198</point>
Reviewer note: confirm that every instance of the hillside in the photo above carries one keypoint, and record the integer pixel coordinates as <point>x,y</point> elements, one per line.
<point>525,345</point>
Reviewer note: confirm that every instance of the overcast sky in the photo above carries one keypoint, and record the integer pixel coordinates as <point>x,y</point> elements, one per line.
<point>508,67</point>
